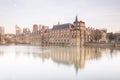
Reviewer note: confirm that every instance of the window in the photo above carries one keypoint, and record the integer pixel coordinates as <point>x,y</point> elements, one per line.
<point>75,36</point>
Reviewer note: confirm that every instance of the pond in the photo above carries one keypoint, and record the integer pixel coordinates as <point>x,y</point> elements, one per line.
<point>25,62</point>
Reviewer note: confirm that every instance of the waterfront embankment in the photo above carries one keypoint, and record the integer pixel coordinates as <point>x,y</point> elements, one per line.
<point>113,45</point>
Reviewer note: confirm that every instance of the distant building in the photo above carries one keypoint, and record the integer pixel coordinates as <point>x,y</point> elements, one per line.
<point>40,27</point>
<point>103,36</point>
<point>40,36</point>
<point>26,30</point>
<point>9,38</point>
<point>117,37</point>
<point>18,30</point>
<point>2,30</point>
<point>35,27</point>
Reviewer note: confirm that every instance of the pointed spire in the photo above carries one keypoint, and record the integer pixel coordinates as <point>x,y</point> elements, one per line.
<point>58,23</point>
<point>76,19</point>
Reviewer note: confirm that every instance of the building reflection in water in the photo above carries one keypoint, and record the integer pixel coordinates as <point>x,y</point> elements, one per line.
<point>76,56</point>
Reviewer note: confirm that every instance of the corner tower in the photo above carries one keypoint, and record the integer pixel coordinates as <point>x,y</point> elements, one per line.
<point>79,31</point>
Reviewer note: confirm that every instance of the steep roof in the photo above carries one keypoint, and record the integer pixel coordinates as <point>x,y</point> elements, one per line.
<point>61,26</point>
<point>117,34</point>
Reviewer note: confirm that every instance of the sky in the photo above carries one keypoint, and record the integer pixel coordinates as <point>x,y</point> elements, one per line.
<point>95,13</point>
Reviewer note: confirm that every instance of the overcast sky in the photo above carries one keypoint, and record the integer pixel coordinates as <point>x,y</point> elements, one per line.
<point>25,13</point>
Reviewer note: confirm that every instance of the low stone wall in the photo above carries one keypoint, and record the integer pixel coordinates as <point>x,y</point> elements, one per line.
<point>117,45</point>
<point>102,45</point>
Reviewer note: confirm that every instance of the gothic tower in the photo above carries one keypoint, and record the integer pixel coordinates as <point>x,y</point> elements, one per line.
<point>79,29</point>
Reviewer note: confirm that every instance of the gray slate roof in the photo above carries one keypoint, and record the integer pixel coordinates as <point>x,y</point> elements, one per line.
<point>61,26</point>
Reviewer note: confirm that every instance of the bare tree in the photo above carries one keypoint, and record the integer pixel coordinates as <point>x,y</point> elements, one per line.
<point>97,35</point>
<point>111,37</point>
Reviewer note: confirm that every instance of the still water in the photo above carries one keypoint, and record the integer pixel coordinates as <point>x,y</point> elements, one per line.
<point>23,62</point>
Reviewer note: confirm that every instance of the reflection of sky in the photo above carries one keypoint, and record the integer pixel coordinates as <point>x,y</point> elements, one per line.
<point>19,63</point>
<point>96,13</point>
